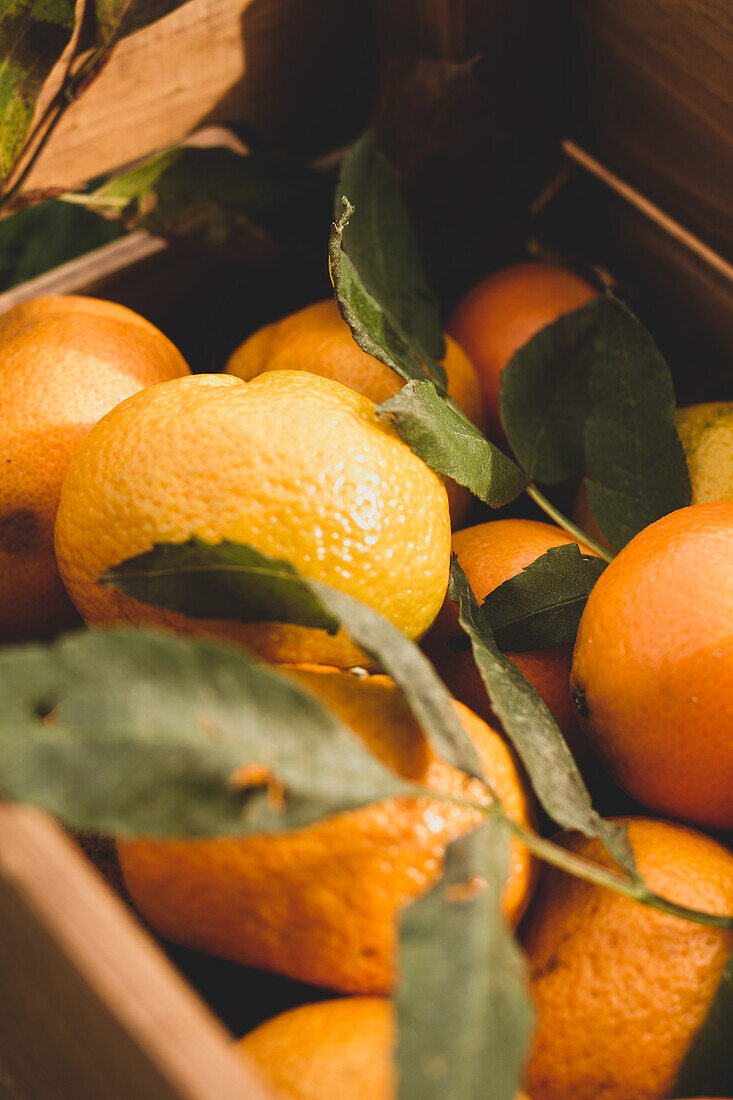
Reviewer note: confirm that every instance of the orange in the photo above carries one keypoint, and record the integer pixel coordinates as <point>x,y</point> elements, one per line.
<point>333,1050</point>
<point>653,665</point>
<point>706,432</point>
<point>489,554</point>
<point>298,466</point>
<point>502,312</point>
<point>320,903</point>
<point>620,990</point>
<point>317,339</point>
<point>64,362</point>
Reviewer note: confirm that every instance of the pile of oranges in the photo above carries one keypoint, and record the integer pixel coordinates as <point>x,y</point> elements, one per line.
<point>110,445</point>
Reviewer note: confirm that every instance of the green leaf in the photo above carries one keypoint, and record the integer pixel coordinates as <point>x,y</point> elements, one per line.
<point>533,732</point>
<point>233,581</point>
<point>542,605</point>
<point>463,1013</point>
<point>380,284</point>
<point>117,18</point>
<point>137,732</point>
<point>218,198</point>
<point>706,1069</point>
<point>225,580</point>
<point>634,457</point>
<point>449,443</point>
<point>591,394</point>
<point>33,35</point>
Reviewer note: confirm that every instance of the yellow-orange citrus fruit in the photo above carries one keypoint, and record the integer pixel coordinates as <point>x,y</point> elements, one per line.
<point>502,312</point>
<point>64,362</point>
<point>706,432</point>
<point>317,339</point>
<point>320,903</point>
<point>489,554</point>
<point>297,466</point>
<point>653,665</point>
<point>620,990</point>
<point>332,1050</point>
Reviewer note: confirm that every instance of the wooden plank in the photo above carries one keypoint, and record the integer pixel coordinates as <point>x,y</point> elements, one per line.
<point>90,1009</point>
<point>292,71</point>
<point>651,96</point>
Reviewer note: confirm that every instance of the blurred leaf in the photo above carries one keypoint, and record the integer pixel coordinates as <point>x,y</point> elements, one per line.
<point>33,36</point>
<point>463,1013</point>
<point>44,236</point>
<point>228,580</point>
<point>542,605</point>
<point>137,732</point>
<point>449,443</point>
<point>378,277</point>
<point>707,1069</point>
<point>219,198</point>
<point>634,457</point>
<point>544,396</point>
<point>531,729</point>
<point>117,18</point>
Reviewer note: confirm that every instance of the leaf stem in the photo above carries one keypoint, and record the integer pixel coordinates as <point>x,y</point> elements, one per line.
<point>541,500</point>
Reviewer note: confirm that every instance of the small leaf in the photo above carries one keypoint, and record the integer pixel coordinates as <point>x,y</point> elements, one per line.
<point>137,732</point>
<point>706,1069</point>
<point>533,731</point>
<point>542,605</point>
<point>218,198</point>
<point>450,444</point>
<point>225,580</point>
<point>232,581</point>
<point>634,457</point>
<point>118,18</point>
<point>380,284</point>
<point>544,396</point>
<point>33,37</point>
<point>463,1013</point>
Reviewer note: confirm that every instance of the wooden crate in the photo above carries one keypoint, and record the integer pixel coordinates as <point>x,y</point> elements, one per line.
<point>634,150</point>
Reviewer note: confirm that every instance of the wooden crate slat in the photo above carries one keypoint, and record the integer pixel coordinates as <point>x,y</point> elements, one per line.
<point>90,1009</point>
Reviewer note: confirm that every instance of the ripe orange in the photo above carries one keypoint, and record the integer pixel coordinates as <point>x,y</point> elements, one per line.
<point>64,362</point>
<point>653,665</point>
<point>620,990</point>
<point>489,554</point>
<point>320,903</point>
<point>298,466</point>
<point>502,312</point>
<point>333,1050</point>
<point>706,432</point>
<point>317,339</point>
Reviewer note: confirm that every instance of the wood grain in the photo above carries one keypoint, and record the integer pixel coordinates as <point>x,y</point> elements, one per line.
<point>651,95</point>
<point>90,1009</point>
<point>268,64</point>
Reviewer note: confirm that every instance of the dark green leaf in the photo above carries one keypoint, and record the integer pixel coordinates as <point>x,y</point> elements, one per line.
<point>147,731</point>
<point>463,1013</point>
<point>542,605</point>
<point>707,1069</point>
<point>449,443</point>
<point>223,580</point>
<point>117,18</point>
<point>219,198</point>
<point>44,236</point>
<point>634,457</point>
<point>228,580</point>
<point>533,731</point>
<point>378,276</point>
<point>544,396</point>
<point>33,35</point>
